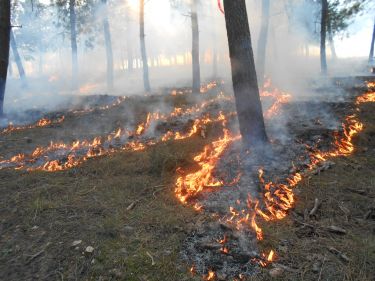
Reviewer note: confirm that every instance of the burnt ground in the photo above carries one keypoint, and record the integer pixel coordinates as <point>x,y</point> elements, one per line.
<point>123,206</point>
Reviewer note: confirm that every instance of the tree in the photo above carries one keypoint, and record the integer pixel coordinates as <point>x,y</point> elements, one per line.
<point>371,55</point>
<point>195,47</point>
<point>323,33</point>
<point>76,17</point>
<point>4,48</point>
<point>146,79</point>
<point>262,42</point>
<point>108,46</point>
<point>73,42</point>
<point>245,85</point>
<point>17,58</point>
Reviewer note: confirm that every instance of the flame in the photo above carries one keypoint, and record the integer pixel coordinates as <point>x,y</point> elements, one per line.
<point>43,122</point>
<point>192,184</point>
<point>210,276</point>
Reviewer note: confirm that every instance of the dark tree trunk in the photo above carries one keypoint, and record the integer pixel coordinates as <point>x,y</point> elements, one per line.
<point>195,47</point>
<point>17,58</point>
<point>73,42</point>
<point>108,46</point>
<point>323,33</point>
<point>146,79</point>
<point>4,48</point>
<point>331,42</point>
<point>371,55</point>
<point>262,42</point>
<point>245,84</point>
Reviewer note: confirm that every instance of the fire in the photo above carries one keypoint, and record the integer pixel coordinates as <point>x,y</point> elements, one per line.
<point>43,122</point>
<point>210,276</point>
<point>192,184</point>
<point>88,88</point>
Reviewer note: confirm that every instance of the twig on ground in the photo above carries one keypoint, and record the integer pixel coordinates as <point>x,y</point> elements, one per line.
<point>321,269</point>
<point>341,255</point>
<point>315,208</point>
<point>152,258</point>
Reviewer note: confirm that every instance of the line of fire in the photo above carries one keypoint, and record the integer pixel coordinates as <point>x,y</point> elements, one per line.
<point>168,140</point>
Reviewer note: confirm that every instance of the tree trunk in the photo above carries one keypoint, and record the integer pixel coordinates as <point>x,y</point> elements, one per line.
<point>331,42</point>
<point>262,42</point>
<point>371,55</point>
<point>245,85</point>
<point>129,46</point>
<point>323,33</point>
<point>4,48</point>
<point>195,47</point>
<point>17,58</point>
<point>73,42</point>
<point>146,79</point>
<point>108,46</point>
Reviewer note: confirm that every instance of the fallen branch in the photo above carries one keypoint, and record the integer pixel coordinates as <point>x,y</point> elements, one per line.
<point>336,229</point>
<point>341,255</point>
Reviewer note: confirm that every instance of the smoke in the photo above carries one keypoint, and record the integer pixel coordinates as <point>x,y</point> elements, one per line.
<point>292,60</point>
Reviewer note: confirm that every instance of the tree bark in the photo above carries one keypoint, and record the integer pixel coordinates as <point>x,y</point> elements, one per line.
<point>73,41</point>
<point>17,58</point>
<point>146,79</point>
<point>371,55</point>
<point>331,42</point>
<point>245,84</point>
<point>195,47</point>
<point>108,46</point>
<point>323,33</point>
<point>262,41</point>
<point>4,48</point>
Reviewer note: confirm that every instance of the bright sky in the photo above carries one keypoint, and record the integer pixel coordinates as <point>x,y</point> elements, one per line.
<point>358,44</point>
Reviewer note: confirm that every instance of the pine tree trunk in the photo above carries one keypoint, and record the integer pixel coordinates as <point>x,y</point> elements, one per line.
<point>195,47</point>
<point>146,79</point>
<point>4,48</point>
<point>73,42</point>
<point>323,33</point>
<point>17,58</point>
<point>245,84</point>
<point>331,42</point>
<point>371,55</point>
<point>262,42</point>
<point>108,46</point>
<point>129,46</point>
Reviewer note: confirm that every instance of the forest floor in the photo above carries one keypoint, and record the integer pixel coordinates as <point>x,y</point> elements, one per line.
<point>116,217</point>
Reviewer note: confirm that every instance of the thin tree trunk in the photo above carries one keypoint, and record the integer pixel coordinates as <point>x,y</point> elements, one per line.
<point>331,42</point>
<point>10,67</point>
<point>262,41</point>
<point>146,79</point>
<point>4,48</point>
<point>323,33</point>
<point>129,46</point>
<point>17,58</point>
<point>245,84</point>
<point>108,46</point>
<point>371,55</point>
<point>195,47</point>
<point>73,41</point>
